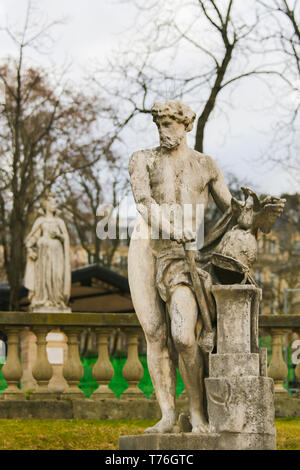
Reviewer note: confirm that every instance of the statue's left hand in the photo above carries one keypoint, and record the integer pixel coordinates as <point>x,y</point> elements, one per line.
<point>55,234</point>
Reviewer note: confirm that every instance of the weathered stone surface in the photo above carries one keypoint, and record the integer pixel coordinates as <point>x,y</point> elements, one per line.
<point>234,317</point>
<point>287,407</point>
<point>241,404</point>
<point>172,286</point>
<point>189,441</point>
<point>277,368</point>
<point>111,409</point>
<point>233,365</point>
<point>74,319</point>
<point>83,409</point>
<point>163,178</point>
<point>42,409</point>
<point>115,409</point>
<point>263,362</point>
<point>28,356</point>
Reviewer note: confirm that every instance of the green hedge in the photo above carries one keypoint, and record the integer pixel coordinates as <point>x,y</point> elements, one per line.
<point>118,384</point>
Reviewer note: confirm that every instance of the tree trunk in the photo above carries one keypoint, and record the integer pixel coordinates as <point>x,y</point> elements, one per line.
<point>17,261</point>
<point>211,102</point>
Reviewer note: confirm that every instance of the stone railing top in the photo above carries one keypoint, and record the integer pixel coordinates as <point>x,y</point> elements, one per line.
<point>279,321</point>
<point>118,320</point>
<point>69,319</point>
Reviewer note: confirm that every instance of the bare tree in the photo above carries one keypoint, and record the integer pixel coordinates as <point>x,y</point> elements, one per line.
<point>194,50</point>
<point>44,128</point>
<point>281,40</point>
<point>83,193</point>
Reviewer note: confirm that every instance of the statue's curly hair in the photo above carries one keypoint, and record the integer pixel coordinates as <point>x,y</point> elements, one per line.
<point>176,110</point>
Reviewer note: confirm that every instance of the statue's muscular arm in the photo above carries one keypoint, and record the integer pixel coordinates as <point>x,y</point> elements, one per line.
<point>218,188</point>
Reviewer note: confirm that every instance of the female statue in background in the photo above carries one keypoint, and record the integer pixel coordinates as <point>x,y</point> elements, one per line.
<point>48,272</point>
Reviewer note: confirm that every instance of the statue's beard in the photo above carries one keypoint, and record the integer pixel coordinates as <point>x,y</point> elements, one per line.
<point>170,141</point>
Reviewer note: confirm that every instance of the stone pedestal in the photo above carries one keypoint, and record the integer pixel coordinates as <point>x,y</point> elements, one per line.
<point>240,398</point>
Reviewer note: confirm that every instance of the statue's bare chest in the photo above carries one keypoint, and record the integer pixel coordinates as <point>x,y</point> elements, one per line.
<point>177,179</point>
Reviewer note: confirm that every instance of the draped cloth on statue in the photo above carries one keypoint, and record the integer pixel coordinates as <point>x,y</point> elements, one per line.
<point>171,265</point>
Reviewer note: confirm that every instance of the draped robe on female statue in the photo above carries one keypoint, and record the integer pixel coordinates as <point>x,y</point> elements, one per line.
<point>48,276</point>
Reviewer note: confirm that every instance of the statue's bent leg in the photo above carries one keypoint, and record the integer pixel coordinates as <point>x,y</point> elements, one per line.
<point>183,313</point>
<point>151,314</point>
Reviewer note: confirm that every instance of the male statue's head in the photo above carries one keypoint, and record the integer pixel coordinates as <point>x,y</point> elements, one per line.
<point>173,119</point>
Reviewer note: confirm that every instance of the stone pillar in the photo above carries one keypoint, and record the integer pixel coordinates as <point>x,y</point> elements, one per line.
<point>42,369</point>
<point>103,370</point>
<point>133,370</point>
<point>278,369</point>
<point>72,369</point>
<point>234,320</point>
<point>240,400</point>
<point>12,369</point>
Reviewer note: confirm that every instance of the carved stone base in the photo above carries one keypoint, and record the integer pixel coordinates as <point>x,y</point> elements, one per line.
<point>189,441</point>
<point>241,404</point>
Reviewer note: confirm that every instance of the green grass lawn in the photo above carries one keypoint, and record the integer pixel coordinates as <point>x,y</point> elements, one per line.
<point>288,433</point>
<point>101,435</point>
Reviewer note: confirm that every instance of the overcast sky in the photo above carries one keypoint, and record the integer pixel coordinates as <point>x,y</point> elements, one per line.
<point>93,28</point>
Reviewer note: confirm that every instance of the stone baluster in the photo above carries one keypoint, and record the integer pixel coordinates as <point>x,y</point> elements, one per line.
<point>278,369</point>
<point>12,369</point>
<point>73,369</point>
<point>28,357</point>
<point>42,369</point>
<point>57,350</point>
<point>133,370</point>
<point>103,370</point>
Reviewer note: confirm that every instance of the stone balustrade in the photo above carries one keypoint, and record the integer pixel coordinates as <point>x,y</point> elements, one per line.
<point>38,325</point>
<point>278,326</point>
<point>71,325</point>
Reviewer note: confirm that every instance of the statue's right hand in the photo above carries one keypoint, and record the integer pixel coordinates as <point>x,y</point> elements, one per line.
<point>187,237</point>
